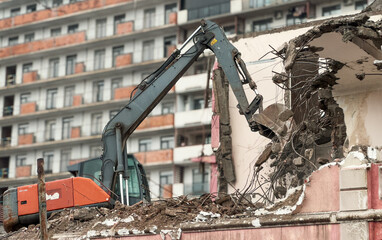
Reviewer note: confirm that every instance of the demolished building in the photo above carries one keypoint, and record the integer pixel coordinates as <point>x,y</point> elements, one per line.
<point>316,175</point>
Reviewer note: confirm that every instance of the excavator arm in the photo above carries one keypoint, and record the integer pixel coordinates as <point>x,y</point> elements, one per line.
<point>152,89</point>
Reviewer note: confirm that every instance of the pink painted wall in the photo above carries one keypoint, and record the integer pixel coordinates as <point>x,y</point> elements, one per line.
<point>313,232</point>
<point>373,187</point>
<point>322,192</point>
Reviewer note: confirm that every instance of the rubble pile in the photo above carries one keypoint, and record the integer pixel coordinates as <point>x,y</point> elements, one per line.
<point>313,132</point>
<point>158,217</point>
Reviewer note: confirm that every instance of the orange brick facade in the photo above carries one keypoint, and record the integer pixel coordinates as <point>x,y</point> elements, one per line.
<point>29,77</point>
<point>122,93</point>
<point>157,121</point>
<point>173,18</point>
<point>126,27</point>
<point>26,139</point>
<point>160,156</point>
<point>60,11</point>
<point>23,171</point>
<point>39,45</point>
<point>80,67</point>
<point>75,132</point>
<point>77,100</point>
<point>28,108</point>
<point>123,60</point>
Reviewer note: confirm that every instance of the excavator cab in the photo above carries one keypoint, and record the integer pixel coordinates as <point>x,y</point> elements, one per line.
<point>137,184</point>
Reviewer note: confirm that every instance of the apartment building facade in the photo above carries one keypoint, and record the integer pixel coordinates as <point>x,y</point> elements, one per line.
<point>67,67</point>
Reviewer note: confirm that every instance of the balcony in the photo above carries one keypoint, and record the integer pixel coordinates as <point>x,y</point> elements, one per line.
<point>23,171</point>
<point>185,154</point>
<point>191,83</point>
<point>155,157</point>
<point>26,108</point>
<point>123,60</point>
<point>4,172</point>
<point>193,118</point>
<point>124,92</point>
<point>43,44</point>
<point>8,111</point>
<point>167,191</point>
<point>157,121</point>
<point>196,189</point>
<point>126,27</point>
<point>5,141</point>
<point>75,132</point>
<point>26,139</point>
<point>54,13</point>
<point>29,77</point>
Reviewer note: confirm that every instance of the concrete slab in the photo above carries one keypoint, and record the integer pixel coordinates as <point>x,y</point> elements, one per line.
<point>353,178</point>
<point>354,231</point>
<point>353,200</point>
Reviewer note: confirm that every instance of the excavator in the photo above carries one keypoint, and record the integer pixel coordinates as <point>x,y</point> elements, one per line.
<point>117,175</point>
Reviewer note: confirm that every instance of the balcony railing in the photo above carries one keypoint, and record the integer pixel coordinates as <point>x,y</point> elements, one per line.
<point>157,121</point>
<point>8,111</point>
<point>4,172</point>
<point>155,157</point>
<point>23,171</point>
<point>186,153</point>
<point>60,11</point>
<point>196,189</point>
<point>6,141</point>
<point>43,44</point>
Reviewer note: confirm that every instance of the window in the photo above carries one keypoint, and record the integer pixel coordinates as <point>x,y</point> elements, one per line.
<point>15,12</point>
<point>66,127</point>
<point>55,32</point>
<point>148,50</point>
<point>228,30</point>
<point>74,1</point>
<point>259,3</point>
<point>96,123</point>
<point>50,128</point>
<point>25,98</point>
<point>51,96</point>
<point>13,41</point>
<point>99,59</point>
<point>27,67</point>
<point>198,103</point>
<point>164,179</point>
<point>29,37</point>
<point>68,96</point>
<point>66,155</point>
<point>149,18</point>
<point>100,28</point>
<point>54,65</point>
<point>113,113</point>
<point>115,83</point>
<point>56,3</point>
<point>332,10</point>
<point>169,45</point>
<point>117,20</point>
<point>98,91</point>
<point>21,160</point>
<point>145,145</point>
<point>262,25</point>
<point>48,162</point>
<point>207,9</point>
<point>72,28</point>
<point>95,151</point>
<point>168,10</point>
<point>167,107</point>
<point>167,142</point>
<point>116,52</point>
<point>360,5</point>
<point>70,64</point>
<point>199,182</point>
<point>292,20</point>
<point>31,8</point>
<point>23,129</point>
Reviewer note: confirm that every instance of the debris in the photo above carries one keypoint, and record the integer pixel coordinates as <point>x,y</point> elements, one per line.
<point>299,161</point>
